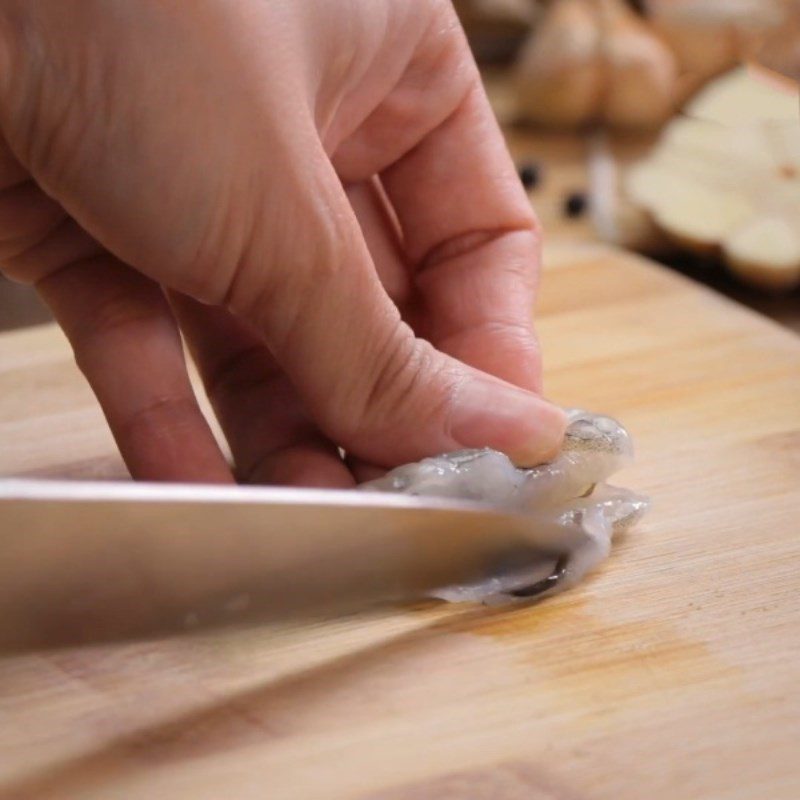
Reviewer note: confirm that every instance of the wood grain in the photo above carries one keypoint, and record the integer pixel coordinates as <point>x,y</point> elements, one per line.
<point>671,673</point>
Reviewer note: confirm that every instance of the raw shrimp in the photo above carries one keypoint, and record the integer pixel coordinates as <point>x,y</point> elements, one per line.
<point>569,493</point>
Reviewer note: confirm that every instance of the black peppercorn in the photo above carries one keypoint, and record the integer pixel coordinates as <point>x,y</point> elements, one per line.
<point>530,175</point>
<point>575,204</point>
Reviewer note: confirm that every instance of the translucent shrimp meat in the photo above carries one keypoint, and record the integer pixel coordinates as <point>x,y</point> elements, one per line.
<point>570,492</point>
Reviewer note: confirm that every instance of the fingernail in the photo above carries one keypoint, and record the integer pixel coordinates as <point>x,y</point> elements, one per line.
<point>524,426</point>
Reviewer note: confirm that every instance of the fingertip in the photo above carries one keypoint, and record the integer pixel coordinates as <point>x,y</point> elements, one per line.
<point>542,439</point>
<point>313,465</point>
<point>490,413</point>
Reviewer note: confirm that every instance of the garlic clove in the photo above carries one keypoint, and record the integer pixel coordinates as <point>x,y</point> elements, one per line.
<point>780,49</point>
<point>559,76</point>
<point>740,97</point>
<point>766,253</point>
<point>698,217</point>
<point>641,71</point>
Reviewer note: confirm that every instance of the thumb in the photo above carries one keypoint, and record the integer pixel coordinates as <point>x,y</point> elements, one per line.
<point>370,384</point>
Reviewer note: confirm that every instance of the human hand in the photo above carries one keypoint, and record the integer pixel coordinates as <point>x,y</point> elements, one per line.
<point>315,193</point>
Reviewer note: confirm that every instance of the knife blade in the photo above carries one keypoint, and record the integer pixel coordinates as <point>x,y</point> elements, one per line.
<point>89,560</point>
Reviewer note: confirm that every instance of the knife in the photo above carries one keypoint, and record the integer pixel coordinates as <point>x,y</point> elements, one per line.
<point>82,561</point>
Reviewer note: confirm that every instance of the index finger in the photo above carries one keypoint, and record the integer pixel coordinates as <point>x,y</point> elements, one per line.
<point>473,241</point>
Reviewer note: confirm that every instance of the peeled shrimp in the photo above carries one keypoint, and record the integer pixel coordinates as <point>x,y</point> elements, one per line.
<point>568,493</point>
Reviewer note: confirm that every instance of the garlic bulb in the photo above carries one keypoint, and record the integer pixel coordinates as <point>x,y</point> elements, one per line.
<point>709,37</point>
<point>725,181</point>
<point>780,49</point>
<point>595,61</point>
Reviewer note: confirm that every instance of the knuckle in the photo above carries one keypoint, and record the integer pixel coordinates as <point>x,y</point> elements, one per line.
<point>523,238</point>
<point>66,244</point>
<point>159,417</point>
<point>97,300</point>
<point>396,370</point>
<point>516,333</point>
<point>280,274</point>
<point>115,313</point>
<point>518,343</point>
<point>28,219</point>
<point>406,385</point>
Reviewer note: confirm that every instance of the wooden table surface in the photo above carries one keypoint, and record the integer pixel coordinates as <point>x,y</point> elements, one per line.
<point>671,673</point>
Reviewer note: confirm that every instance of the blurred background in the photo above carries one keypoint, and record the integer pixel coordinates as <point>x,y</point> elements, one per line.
<point>667,127</point>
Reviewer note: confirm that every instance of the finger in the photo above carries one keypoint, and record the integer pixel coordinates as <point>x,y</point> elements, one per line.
<point>27,215</point>
<point>465,221</point>
<point>11,171</point>
<point>382,235</point>
<point>380,228</point>
<point>364,471</point>
<point>372,386</point>
<point>271,436</point>
<point>31,259</point>
<point>36,235</point>
<point>474,242</point>
<point>477,345</point>
<point>127,344</point>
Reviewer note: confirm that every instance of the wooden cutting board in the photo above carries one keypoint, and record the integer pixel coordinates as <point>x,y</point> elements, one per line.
<point>671,673</point>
